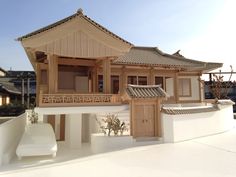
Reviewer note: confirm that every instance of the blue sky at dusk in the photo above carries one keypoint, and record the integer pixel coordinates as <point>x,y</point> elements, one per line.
<point>201,29</point>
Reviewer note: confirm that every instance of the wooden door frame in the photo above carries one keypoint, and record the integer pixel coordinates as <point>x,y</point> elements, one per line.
<point>157,118</point>
<point>51,119</point>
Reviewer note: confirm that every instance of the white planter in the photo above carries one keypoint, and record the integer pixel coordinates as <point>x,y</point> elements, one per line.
<point>103,143</point>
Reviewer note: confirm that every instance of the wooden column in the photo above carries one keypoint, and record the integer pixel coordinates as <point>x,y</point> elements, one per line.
<point>151,79</point>
<point>176,86</point>
<point>106,76</point>
<point>38,80</point>
<point>158,130</point>
<point>52,73</point>
<point>123,80</point>
<point>95,79</point>
<point>201,90</point>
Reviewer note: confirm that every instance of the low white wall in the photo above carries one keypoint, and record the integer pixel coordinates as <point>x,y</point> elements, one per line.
<point>10,135</point>
<point>188,126</point>
<point>73,131</point>
<point>101,143</point>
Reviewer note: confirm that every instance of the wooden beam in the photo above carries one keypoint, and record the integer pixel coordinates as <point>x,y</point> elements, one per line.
<point>52,73</point>
<point>176,87</point>
<point>123,79</point>
<point>95,79</point>
<point>38,79</point>
<point>151,78</point>
<point>75,62</point>
<point>62,127</point>
<point>51,120</point>
<point>158,116</point>
<point>106,76</point>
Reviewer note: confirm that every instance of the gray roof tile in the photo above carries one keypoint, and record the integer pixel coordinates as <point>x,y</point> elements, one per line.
<point>181,110</point>
<point>152,56</point>
<point>9,87</point>
<point>145,91</point>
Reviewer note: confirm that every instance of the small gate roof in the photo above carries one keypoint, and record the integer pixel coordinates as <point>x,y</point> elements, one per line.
<point>145,91</point>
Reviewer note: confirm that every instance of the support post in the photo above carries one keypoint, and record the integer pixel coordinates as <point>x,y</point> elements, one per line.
<point>52,73</point>
<point>123,79</point>
<point>95,79</point>
<point>176,86</point>
<point>38,80</point>
<point>106,76</point>
<point>73,132</point>
<point>28,92</point>
<point>23,92</point>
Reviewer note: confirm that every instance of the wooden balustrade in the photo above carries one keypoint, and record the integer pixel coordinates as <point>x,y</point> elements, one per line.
<point>49,100</point>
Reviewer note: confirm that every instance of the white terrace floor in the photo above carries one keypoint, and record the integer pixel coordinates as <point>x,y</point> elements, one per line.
<point>213,156</point>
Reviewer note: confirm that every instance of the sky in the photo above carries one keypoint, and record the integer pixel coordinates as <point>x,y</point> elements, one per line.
<point>202,29</point>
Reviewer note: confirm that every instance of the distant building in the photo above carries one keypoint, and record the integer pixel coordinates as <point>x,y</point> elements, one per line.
<point>231,91</point>
<point>17,87</point>
<point>8,92</point>
<point>2,72</point>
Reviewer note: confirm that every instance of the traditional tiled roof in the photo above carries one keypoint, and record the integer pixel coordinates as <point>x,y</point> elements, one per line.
<point>78,13</point>
<point>152,56</point>
<point>24,74</point>
<point>1,69</point>
<point>188,110</point>
<point>9,87</point>
<point>145,91</point>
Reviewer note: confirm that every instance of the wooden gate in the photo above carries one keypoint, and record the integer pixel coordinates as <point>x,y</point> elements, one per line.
<point>145,118</point>
<point>144,121</point>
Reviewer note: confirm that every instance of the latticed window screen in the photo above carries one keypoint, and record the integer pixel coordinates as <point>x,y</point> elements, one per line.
<point>185,87</point>
<point>137,80</point>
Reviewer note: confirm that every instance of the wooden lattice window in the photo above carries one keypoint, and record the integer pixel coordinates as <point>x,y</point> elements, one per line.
<point>185,89</point>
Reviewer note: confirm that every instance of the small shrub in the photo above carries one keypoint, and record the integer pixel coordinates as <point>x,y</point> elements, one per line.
<point>33,117</point>
<point>112,124</point>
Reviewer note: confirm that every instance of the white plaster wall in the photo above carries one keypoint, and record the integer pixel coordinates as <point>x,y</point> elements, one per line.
<point>195,89</point>
<point>10,135</point>
<point>80,109</point>
<point>73,130</point>
<point>85,128</point>
<point>188,126</point>
<point>101,143</point>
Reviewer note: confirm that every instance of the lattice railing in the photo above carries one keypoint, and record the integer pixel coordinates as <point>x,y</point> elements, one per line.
<point>78,99</point>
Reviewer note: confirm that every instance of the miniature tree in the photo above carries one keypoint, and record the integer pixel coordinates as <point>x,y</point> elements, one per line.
<point>112,124</point>
<point>218,87</point>
<point>33,117</point>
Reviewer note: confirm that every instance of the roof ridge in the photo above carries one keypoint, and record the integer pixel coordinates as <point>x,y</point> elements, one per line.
<point>64,20</point>
<point>143,86</point>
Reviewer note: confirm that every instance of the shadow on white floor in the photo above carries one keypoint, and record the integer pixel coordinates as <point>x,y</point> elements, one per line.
<point>212,156</point>
<point>63,154</point>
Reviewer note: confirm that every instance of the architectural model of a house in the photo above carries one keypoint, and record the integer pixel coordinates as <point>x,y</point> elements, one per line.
<point>81,67</point>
